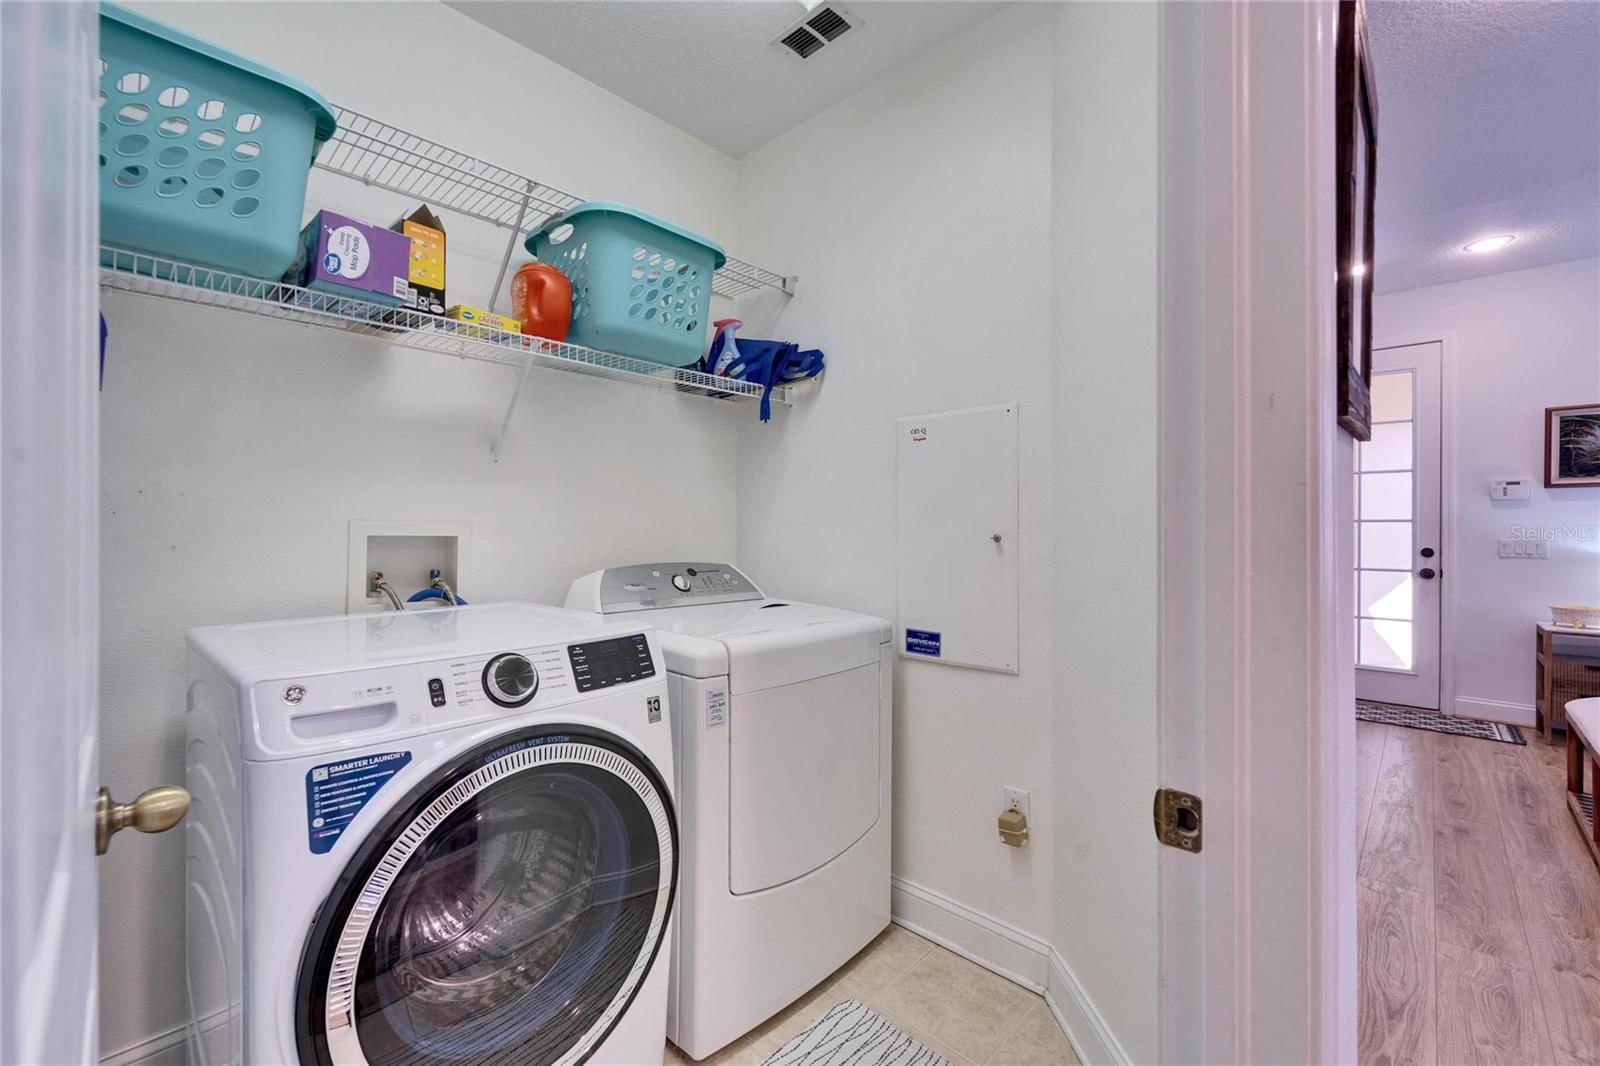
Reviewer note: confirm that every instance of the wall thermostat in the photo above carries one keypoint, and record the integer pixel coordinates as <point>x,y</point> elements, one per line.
<point>1512,489</point>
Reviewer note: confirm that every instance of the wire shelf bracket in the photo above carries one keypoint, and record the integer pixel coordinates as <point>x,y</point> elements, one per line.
<point>169,279</point>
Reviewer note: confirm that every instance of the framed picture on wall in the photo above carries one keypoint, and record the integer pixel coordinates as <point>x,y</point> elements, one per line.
<point>1572,446</point>
<point>1356,123</point>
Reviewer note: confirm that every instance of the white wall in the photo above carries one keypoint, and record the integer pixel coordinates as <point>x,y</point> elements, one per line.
<point>1514,344</point>
<point>235,451</point>
<point>1105,528</point>
<point>918,216</point>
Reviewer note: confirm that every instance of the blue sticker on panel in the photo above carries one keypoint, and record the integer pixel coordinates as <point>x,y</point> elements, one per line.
<point>336,792</point>
<point>922,642</point>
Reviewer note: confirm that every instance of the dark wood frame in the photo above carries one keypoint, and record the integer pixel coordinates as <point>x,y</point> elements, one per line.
<point>1356,123</point>
<point>1550,414</point>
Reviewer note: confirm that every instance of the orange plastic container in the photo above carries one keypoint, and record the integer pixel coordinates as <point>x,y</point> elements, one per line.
<point>541,297</point>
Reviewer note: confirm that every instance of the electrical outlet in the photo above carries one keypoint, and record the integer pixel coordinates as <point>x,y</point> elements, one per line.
<point>1016,799</point>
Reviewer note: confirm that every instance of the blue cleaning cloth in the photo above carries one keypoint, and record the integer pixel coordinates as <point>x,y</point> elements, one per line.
<point>767,363</point>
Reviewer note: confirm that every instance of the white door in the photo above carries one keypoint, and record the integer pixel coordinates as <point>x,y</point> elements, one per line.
<point>49,376</point>
<point>1399,571</point>
<point>48,519</point>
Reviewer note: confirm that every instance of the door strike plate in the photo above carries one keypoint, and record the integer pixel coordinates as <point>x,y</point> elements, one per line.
<point>1178,819</point>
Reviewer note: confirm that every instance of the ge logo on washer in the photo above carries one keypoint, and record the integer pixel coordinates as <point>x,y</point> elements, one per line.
<point>653,708</point>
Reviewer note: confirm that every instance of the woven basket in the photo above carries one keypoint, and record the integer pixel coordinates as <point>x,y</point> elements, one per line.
<point>1573,678</point>
<point>1576,616</point>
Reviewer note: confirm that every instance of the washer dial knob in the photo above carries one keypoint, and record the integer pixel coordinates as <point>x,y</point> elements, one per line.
<point>510,680</point>
<point>680,582</point>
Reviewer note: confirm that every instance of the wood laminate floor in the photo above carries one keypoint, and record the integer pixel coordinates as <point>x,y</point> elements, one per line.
<point>1479,906</point>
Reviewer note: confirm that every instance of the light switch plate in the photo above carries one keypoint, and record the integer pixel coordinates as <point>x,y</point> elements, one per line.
<point>1512,548</point>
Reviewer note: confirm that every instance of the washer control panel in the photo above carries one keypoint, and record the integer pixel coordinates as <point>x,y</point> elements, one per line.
<point>646,586</point>
<point>467,688</point>
<point>494,684</point>
<point>295,714</point>
<point>603,663</point>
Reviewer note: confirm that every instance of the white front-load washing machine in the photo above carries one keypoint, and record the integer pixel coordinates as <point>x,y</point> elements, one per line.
<point>781,726</point>
<point>429,837</point>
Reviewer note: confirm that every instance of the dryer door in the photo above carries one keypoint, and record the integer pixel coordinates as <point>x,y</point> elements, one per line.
<point>803,776</point>
<point>505,914</point>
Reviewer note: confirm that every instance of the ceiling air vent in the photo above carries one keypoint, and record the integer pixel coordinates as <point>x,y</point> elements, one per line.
<point>817,30</point>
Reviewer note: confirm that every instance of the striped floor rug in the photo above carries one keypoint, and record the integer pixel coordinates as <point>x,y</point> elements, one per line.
<point>854,1035</point>
<point>1415,718</point>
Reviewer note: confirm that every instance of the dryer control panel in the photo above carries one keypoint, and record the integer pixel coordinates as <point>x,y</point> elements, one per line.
<point>647,586</point>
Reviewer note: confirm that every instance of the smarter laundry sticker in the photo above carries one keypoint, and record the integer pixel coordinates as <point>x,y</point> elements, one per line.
<point>336,792</point>
<point>716,708</point>
<point>922,642</point>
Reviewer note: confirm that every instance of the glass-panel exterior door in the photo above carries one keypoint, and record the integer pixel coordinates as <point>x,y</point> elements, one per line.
<point>1398,568</point>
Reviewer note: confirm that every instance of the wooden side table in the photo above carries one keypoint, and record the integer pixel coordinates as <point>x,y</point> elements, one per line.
<point>1583,732</point>
<point>1547,715</point>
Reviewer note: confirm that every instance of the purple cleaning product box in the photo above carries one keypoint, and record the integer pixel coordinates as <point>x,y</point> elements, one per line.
<point>339,254</point>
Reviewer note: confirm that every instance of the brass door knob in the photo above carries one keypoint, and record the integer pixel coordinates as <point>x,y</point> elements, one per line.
<point>155,811</point>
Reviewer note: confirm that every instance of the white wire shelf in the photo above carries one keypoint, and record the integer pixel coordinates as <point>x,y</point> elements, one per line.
<point>136,272</point>
<point>391,158</point>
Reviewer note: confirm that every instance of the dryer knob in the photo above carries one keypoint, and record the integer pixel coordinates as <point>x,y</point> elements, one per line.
<point>510,679</point>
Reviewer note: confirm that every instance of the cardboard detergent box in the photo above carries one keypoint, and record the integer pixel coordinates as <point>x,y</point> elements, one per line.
<point>487,321</point>
<point>425,266</point>
<point>339,254</point>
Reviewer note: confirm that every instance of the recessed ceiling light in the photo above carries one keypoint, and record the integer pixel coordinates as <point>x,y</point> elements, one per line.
<point>1489,244</point>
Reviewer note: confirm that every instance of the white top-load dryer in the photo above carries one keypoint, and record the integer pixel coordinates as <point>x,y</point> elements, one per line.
<point>428,837</point>
<point>781,728</point>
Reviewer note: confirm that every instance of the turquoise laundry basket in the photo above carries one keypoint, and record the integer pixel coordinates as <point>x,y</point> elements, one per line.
<point>640,286</point>
<point>203,154</point>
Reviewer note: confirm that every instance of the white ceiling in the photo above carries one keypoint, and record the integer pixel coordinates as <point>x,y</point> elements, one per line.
<point>1488,122</point>
<point>707,67</point>
<point>1488,110</point>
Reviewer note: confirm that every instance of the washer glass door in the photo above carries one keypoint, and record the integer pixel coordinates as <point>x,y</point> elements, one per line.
<point>506,915</point>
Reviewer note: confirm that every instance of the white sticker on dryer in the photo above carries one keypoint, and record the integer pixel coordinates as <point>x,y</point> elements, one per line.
<point>716,708</point>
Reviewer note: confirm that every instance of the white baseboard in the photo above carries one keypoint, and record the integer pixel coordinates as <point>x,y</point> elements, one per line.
<point>988,941</point>
<point>1493,711</point>
<point>162,1049</point>
<point>1013,954</point>
<point>1075,1012</point>
<point>166,1048</point>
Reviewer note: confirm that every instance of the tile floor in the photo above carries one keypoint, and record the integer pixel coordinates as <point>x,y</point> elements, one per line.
<point>957,1008</point>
